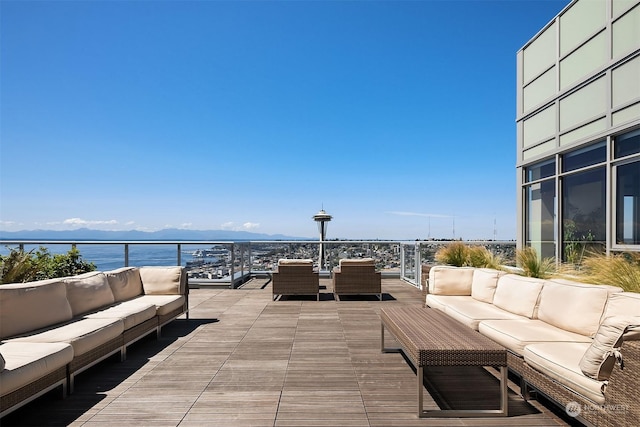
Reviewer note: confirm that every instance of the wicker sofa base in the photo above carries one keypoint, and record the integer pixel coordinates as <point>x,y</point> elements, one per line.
<point>621,408</point>
<point>14,400</point>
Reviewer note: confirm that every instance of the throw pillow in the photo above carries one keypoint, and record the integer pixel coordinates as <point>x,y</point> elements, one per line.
<point>600,358</point>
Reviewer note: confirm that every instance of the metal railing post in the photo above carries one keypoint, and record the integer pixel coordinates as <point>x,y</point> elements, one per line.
<point>179,254</point>
<point>126,255</point>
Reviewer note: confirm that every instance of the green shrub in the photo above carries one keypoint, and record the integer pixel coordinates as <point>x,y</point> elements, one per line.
<point>455,254</point>
<point>20,266</point>
<point>622,270</point>
<point>532,265</point>
<point>459,254</point>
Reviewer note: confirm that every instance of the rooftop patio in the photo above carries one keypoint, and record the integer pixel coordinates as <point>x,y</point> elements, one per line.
<point>243,359</point>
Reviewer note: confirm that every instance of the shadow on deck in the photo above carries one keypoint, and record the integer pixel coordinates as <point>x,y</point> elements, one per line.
<point>245,360</point>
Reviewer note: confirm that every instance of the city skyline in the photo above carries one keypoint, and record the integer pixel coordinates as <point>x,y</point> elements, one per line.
<point>397,118</point>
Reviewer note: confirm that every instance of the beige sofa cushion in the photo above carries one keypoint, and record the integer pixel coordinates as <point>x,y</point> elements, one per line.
<point>441,302</point>
<point>599,359</point>
<point>163,280</point>
<point>622,304</point>
<point>88,292</point>
<point>164,304</point>
<point>284,261</point>
<point>357,261</point>
<point>84,334</point>
<point>517,334</point>
<point>27,362</point>
<point>518,294</point>
<point>574,306</point>
<point>132,313</point>
<point>26,307</point>
<point>484,283</point>
<point>471,312</point>
<point>447,280</point>
<point>125,283</point>
<point>560,361</point>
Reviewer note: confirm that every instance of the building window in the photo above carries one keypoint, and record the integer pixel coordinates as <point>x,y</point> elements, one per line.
<point>540,209</point>
<point>588,156</point>
<point>583,214</point>
<point>627,189</point>
<point>627,145</point>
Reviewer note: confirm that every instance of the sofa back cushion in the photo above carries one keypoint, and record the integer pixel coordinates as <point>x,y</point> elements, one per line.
<point>25,307</point>
<point>448,280</point>
<point>285,261</point>
<point>622,304</point>
<point>125,283</point>
<point>88,292</point>
<point>518,294</point>
<point>574,306</point>
<point>599,359</point>
<point>163,280</point>
<point>484,283</point>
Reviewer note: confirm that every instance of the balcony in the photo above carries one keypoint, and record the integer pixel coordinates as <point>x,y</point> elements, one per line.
<point>243,359</point>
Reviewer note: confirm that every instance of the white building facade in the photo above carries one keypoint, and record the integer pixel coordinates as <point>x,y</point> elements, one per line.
<point>578,132</point>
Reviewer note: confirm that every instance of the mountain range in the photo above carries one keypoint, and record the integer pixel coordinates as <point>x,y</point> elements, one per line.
<point>166,234</point>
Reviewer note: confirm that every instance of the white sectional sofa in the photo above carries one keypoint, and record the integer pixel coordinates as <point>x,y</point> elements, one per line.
<point>51,330</point>
<point>563,337</point>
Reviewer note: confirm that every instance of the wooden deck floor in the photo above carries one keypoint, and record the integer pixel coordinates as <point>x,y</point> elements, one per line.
<point>245,360</point>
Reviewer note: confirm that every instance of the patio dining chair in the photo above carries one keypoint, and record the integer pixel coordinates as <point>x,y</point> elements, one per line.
<point>357,277</point>
<point>295,277</point>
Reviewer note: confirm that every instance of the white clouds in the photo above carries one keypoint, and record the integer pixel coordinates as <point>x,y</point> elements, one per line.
<point>85,222</point>
<point>247,226</point>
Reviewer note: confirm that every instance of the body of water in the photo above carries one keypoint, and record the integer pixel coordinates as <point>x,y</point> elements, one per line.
<point>110,257</point>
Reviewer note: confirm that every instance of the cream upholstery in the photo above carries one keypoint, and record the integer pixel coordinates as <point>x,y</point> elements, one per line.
<point>88,292</point>
<point>484,283</point>
<point>26,362</point>
<point>164,304</point>
<point>125,283</point>
<point>622,304</point>
<point>25,307</point>
<point>599,359</point>
<point>83,335</point>
<point>573,306</point>
<point>517,334</point>
<point>446,280</point>
<point>441,302</point>
<point>132,313</point>
<point>560,361</point>
<point>163,280</point>
<point>518,294</point>
<point>285,261</point>
<point>66,325</point>
<point>472,312</point>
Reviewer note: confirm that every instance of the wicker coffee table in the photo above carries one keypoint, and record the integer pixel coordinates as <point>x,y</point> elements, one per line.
<point>428,337</point>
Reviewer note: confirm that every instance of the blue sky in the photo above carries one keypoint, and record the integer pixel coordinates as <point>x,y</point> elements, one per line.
<point>396,117</point>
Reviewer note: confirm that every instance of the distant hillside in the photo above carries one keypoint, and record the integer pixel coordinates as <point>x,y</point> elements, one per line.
<point>167,234</point>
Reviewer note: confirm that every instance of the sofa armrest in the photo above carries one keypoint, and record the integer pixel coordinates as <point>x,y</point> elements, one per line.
<point>623,392</point>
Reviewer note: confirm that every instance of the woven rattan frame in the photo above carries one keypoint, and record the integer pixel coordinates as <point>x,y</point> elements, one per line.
<point>25,394</point>
<point>622,394</point>
<point>296,280</point>
<point>357,280</point>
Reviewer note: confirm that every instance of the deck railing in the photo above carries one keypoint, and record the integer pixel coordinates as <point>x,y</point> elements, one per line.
<point>233,262</point>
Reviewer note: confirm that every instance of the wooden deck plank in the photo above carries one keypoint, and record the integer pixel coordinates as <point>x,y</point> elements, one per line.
<point>245,360</point>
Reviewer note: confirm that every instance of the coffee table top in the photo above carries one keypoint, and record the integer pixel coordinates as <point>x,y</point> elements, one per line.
<point>432,338</point>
